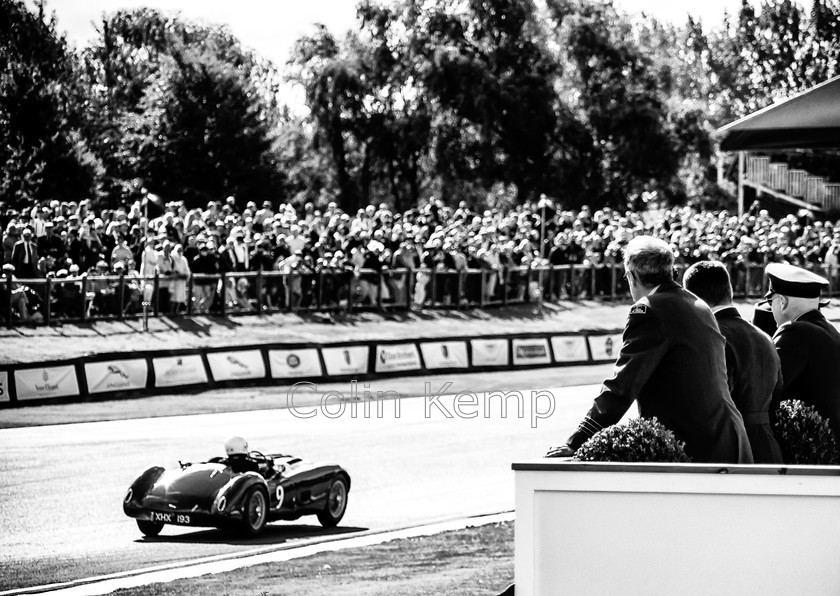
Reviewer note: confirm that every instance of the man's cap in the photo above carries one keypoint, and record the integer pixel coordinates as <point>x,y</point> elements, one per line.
<point>790,280</point>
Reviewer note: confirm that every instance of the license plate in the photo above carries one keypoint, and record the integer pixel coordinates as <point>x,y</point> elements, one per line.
<point>170,518</point>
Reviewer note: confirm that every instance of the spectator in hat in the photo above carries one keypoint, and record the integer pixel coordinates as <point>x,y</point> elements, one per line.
<point>295,241</point>
<point>122,253</point>
<point>180,274</point>
<point>166,272</point>
<point>263,214</point>
<point>148,267</point>
<point>753,369</point>
<point>808,345</point>
<point>50,244</point>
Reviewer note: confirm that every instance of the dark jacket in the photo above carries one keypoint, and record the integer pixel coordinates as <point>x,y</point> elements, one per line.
<point>755,379</point>
<point>809,349</point>
<point>25,270</point>
<point>672,363</point>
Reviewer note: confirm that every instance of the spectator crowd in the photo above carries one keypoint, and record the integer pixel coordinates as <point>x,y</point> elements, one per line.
<point>328,254</point>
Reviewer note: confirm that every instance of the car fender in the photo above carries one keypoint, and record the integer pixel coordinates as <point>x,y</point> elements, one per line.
<point>234,492</point>
<point>140,487</point>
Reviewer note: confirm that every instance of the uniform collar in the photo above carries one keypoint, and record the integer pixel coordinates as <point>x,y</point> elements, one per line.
<point>811,315</point>
<point>666,286</point>
<point>726,312</point>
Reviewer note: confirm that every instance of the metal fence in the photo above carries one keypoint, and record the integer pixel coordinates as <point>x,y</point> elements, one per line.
<point>86,298</point>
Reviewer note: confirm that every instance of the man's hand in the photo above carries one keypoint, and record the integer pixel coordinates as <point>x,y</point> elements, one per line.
<point>561,451</point>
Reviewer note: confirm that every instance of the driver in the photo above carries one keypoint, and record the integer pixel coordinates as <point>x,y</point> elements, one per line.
<point>238,459</point>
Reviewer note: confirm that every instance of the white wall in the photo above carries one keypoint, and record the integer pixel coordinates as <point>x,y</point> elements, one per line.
<point>667,529</point>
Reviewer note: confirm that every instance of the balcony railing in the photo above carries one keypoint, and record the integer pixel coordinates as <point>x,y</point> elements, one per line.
<point>87,298</point>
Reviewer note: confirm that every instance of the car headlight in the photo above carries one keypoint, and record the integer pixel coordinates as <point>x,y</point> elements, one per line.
<point>128,495</point>
<point>221,503</point>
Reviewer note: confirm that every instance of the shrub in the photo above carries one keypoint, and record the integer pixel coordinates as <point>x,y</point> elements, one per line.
<point>640,440</point>
<point>804,436</point>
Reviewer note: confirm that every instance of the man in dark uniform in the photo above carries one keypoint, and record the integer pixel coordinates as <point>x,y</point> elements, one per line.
<point>808,345</point>
<point>752,365</point>
<point>672,363</point>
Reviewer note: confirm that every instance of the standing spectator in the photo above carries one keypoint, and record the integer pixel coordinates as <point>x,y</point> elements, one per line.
<point>25,256</point>
<point>292,268</point>
<point>191,249</point>
<point>37,222</point>
<point>228,261</point>
<point>266,213</point>
<point>10,238</point>
<point>122,254</point>
<point>672,362</point>
<point>206,263</point>
<point>404,257</point>
<point>148,269</point>
<point>295,241</point>
<point>262,257</point>
<point>180,274</point>
<point>242,252</point>
<point>51,245</point>
<point>166,271</point>
<point>491,260</point>
<point>558,258</point>
<point>808,345</point>
<point>831,261</point>
<point>752,365</point>
<point>230,264</point>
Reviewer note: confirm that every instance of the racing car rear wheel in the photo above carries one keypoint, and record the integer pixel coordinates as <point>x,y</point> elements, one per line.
<point>148,527</point>
<point>336,504</point>
<point>254,511</point>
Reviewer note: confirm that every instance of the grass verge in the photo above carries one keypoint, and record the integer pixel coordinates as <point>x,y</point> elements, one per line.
<point>477,560</point>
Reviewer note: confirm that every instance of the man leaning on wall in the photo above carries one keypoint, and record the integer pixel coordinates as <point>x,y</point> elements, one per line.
<point>672,363</point>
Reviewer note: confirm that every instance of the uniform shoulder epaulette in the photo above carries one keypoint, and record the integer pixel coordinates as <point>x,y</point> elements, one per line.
<point>639,309</point>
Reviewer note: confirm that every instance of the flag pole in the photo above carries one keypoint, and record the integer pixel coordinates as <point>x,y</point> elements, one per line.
<point>143,257</point>
<point>145,212</point>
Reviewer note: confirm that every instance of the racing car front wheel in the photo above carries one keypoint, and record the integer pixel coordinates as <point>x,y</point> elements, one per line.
<point>254,511</point>
<point>148,527</point>
<point>336,504</point>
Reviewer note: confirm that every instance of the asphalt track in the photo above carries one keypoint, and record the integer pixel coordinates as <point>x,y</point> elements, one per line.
<point>415,461</point>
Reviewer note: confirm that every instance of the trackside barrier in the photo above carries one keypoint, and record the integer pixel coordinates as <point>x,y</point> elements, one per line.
<point>120,297</point>
<point>119,375</point>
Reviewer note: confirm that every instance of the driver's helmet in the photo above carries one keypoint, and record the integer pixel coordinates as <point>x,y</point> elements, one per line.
<point>236,446</point>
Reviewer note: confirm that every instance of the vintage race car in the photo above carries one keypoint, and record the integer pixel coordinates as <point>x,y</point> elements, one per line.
<point>218,493</point>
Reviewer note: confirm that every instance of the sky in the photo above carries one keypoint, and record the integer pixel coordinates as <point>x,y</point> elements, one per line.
<point>270,27</point>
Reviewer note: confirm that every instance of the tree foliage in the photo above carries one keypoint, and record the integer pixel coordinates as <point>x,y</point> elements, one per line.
<point>42,151</point>
<point>181,108</point>
<point>453,99</point>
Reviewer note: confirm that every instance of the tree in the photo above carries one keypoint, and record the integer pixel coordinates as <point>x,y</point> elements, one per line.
<point>43,154</point>
<point>620,95</point>
<point>199,133</point>
<point>487,68</point>
<point>332,84</point>
<point>166,91</point>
